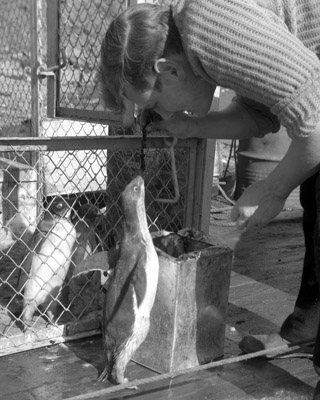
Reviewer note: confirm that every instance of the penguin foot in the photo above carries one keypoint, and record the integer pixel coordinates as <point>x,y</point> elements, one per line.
<point>26,325</point>
<point>26,329</point>
<point>104,375</point>
<point>123,381</point>
<point>116,380</point>
<point>133,387</point>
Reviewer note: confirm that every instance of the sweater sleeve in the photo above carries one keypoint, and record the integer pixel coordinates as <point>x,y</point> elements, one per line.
<point>245,47</point>
<point>266,121</point>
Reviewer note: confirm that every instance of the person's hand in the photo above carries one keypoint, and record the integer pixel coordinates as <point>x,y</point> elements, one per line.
<point>180,125</point>
<point>257,206</point>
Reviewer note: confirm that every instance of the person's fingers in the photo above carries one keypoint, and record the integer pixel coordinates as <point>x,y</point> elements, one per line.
<point>241,223</point>
<point>245,217</point>
<point>254,223</point>
<point>238,217</point>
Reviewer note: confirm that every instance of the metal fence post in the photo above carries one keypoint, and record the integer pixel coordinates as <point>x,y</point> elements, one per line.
<point>36,101</point>
<point>203,185</point>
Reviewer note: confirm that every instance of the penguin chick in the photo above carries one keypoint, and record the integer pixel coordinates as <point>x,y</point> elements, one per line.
<point>49,259</point>
<point>131,294</point>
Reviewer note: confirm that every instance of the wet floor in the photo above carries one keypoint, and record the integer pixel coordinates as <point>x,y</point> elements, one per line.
<point>264,283</point>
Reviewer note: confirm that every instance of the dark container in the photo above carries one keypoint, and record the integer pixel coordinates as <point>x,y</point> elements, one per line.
<point>257,157</point>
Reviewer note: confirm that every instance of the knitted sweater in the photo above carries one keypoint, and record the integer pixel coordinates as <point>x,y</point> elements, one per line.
<point>267,51</point>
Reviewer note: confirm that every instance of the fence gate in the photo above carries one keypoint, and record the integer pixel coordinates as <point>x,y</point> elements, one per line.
<point>62,152</point>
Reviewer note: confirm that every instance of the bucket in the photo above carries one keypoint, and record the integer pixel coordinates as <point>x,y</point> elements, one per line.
<point>258,157</point>
<point>188,319</point>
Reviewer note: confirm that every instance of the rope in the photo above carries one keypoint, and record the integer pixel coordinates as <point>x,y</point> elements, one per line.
<point>173,174</point>
<point>220,220</point>
<point>222,223</point>
<point>171,375</point>
<point>225,195</point>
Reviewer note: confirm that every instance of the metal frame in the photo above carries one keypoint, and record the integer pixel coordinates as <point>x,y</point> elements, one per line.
<point>197,211</point>
<point>199,174</point>
<point>54,65</point>
<point>202,154</point>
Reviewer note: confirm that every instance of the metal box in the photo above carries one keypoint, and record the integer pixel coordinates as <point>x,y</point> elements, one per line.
<point>189,314</point>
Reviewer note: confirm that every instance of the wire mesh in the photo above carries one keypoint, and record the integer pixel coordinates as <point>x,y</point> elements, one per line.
<point>15,95</point>
<point>82,25</point>
<point>81,29</point>
<point>59,206</point>
<point>40,252</point>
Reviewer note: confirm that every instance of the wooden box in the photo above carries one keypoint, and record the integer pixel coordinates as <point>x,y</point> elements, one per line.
<point>189,314</point>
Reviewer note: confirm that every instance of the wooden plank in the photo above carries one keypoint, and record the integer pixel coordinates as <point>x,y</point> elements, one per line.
<point>47,336</point>
<point>70,370</point>
<point>6,163</point>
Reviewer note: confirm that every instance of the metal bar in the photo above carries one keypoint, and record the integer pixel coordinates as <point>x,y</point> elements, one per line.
<point>87,143</point>
<point>203,178</point>
<point>203,185</point>
<point>35,62</point>
<point>190,195</point>
<point>35,92</point>
<point>105,117</point>
<point>52,55</point>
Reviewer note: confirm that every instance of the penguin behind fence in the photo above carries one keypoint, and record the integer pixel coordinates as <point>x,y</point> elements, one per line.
<point>48,262</point>
<point>84,220</point>
<point>88,242</point>
<point>131,294</point>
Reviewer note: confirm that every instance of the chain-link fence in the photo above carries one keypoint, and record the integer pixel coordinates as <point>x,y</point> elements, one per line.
<point>38,261</point>
<point>61,179</point>
<point>15,67</point>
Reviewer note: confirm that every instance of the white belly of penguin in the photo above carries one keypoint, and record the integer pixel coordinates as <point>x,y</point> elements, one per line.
<point>142,312</point>
<point>50,265</point>
<point>152,273</point>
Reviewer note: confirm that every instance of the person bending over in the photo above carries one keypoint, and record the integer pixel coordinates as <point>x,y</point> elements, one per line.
<point>171,59</point>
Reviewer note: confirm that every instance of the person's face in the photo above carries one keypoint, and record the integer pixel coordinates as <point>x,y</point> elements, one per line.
<point>180,91</point>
